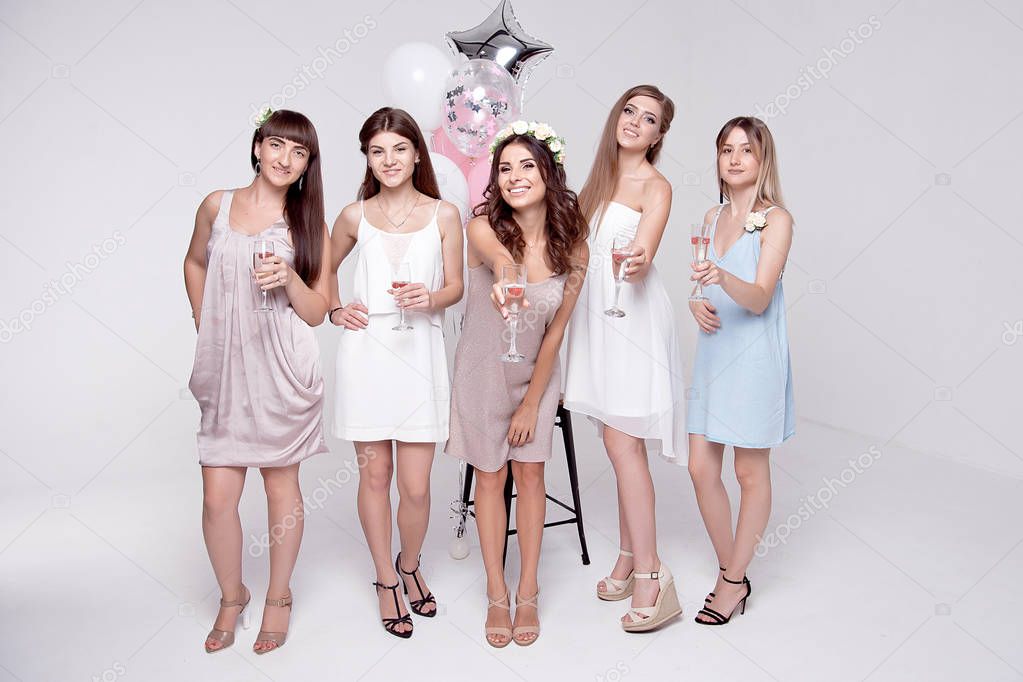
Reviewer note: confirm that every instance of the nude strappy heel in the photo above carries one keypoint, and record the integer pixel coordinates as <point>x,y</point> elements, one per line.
<point>278,638</point>
<point>646,618</point>
<point>505,632</point>
<point>226,637</point>
<point>527,629</point>
<point>618,589</point>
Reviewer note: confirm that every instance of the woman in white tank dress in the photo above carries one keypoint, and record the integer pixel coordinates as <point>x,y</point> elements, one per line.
<point>392,387</point>
<point>625,373</point>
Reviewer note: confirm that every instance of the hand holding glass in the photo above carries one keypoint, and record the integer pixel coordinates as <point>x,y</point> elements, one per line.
<point>513,284</point>
<point>262,249</point>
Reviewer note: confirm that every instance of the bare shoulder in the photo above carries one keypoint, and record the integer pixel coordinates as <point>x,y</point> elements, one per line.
<point>656,190</point>
<point>210,206</point>
<point>708,217</point>
<point>448,212</point>
<point>581,254</point>
<point>348,219</point>
<point>478,224</point>
<point>779,221</point>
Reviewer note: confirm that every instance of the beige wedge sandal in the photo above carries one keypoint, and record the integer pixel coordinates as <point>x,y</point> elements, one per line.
<point>618,589</point>
<point>646,618</point>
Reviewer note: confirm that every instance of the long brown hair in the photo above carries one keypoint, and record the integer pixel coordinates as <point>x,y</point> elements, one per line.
<point>768,187</point>
<point>566,226</point>
<point>303,208</point>
<point>600,184</point>
<point>399,122</point>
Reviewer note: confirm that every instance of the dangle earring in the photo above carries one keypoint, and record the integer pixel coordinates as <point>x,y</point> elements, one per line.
<point>257,166</point>
<point>300,182</point>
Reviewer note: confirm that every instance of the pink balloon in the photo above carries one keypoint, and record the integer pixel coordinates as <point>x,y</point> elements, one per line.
<point>443,145</point>
<point>478,177</point>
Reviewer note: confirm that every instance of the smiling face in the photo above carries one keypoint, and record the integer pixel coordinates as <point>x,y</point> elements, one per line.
<point>738,165</point>
<point>392,158</point>
<point>639,124</point>
<point>518,176</point>
<point>282,161</point>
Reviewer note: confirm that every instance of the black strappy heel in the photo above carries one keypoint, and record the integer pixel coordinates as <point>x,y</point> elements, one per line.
<point>418,604</point>
<point>391,624</point>
<point>710,595</point>
<point>718,618</point>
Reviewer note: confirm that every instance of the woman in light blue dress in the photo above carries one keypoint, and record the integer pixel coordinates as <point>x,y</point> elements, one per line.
<point>742,379</point>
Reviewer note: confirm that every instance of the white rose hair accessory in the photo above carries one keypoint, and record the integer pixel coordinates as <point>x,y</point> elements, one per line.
<point>540,131</point>
<point>756,220</point>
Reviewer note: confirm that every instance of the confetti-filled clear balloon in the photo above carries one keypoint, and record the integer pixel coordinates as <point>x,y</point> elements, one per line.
<point>480,98</point>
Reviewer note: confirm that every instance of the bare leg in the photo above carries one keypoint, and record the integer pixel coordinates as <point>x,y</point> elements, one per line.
<point>286,523</point>
<point>530,511</point>
<point>636,498</point>
<point>222,531</point>
<point>492,522</point>
<point>624,564</point>
<point>753,471</point>
<point>705,459</point>
<point>414,463</point>
<point>376,467</point>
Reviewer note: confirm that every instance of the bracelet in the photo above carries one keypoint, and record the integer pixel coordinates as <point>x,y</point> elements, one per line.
<point>330,315</point>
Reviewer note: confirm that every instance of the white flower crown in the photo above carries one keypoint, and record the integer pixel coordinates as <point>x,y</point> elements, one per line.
<point>540,131</point>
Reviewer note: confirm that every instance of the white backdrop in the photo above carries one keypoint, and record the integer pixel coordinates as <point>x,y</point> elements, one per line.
<point>898,125</point>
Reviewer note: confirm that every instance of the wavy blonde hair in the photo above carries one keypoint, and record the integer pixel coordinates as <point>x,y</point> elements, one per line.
<point>768,186</point>
<point>600,184</point>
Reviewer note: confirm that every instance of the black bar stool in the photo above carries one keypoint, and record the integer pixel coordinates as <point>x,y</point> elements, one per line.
<point>563,420</point>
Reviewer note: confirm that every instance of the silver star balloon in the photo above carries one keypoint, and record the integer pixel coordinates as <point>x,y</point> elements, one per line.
<point>501,39</point>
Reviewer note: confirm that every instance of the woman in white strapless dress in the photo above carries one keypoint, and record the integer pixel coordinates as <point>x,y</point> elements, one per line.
<point>625,373</point>
<point>391,394</point>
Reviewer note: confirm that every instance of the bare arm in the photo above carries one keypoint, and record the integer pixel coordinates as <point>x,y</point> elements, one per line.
<point>523,424</point>
<point>311,302</point>
<point>195,257</point>
<point>342,240</point>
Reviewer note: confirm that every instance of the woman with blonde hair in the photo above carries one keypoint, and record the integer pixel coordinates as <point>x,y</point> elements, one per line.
<point>742,379</point>
<point>624,360</point>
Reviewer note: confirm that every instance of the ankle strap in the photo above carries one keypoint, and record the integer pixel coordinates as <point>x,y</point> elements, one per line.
<point>655,575</point>
<point>735,582</point>
<point>284,601</point>
<point>519,601</point>
<point>624,552</point>
<point>397,562</point>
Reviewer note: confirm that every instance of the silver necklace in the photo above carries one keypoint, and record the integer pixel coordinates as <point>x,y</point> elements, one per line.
<point>397,226</point>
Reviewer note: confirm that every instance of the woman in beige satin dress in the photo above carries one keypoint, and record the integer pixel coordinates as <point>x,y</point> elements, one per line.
<point>256,374</point>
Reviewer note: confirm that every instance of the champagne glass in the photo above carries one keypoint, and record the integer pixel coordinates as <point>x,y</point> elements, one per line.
<point>699,238</point>
<point>401,275</point>
<point>621,249</point>
<point>513,283</point>
<point>261,250</point>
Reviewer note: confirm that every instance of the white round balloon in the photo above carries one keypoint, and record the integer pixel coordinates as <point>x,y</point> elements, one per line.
<point>452,184</point>
<point>413,80</point>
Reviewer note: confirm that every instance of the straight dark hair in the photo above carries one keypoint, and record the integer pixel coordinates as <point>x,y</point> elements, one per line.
<point>566,226</point>
<point>399,122</point>
<point>303,208</point>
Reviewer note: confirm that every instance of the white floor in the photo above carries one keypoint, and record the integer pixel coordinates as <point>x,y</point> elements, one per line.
<point>909,573</point>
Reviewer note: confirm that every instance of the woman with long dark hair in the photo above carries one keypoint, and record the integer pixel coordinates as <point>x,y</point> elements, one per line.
<point>256,277</point>
<point>624,363</point>
<point>392,385</point>
<point>502,413</point>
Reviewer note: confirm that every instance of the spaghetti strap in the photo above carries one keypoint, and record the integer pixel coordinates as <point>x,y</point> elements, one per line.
<point>436,209</point>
